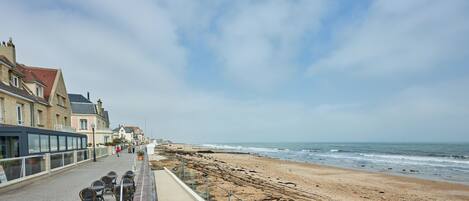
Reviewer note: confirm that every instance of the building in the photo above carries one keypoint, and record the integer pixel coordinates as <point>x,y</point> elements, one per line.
<point>86,114</point>
<point>131,134</point>
<point>35,112</point>
<point>32,96</point>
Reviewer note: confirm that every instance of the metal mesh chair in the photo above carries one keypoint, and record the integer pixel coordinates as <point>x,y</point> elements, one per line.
<point>88,194</point>
<point>113,175</point>
<point>108,183</point>
<point>127,194</point>
<point>99,193</point>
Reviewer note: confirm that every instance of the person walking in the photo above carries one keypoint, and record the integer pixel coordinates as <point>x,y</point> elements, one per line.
<point>118,149</point>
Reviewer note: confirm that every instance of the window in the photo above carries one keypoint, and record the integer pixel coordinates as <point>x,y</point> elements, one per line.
<point>15,81</point>
<point>19,113</point>
<point>70,143</point>
<point>2,110</point>
<point>44,143</point>
<point>62,143</point>
<point>57,119</point>
<point>61,100</point>
<point>53,143</point>
<point>39,117</point>
<point>33,143</point>
<point>83,143</point>
<point>83,124</point>
<point>39,91</point>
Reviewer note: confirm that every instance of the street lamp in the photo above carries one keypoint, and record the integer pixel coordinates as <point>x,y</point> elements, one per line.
<point>94,144</point>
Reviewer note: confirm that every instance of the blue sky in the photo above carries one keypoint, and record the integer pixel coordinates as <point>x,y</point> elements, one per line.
<point>260,71</point>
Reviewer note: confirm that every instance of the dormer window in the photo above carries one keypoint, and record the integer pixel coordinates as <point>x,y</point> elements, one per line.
<point>40,91</point>
<point>15,81</point>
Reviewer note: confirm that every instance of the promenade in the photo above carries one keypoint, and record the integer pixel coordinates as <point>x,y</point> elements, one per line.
<point>65,186</point>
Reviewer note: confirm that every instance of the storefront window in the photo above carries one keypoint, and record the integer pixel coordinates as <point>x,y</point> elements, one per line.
<point>53,143</point>
<point>44,143</point>
<point>33,143</point>
<point>62,143</point>
<point>83,143</point>
<point>70,143</point>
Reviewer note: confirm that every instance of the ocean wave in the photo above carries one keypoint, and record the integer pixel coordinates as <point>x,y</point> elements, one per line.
<point>418,158</point>
<point>244,149</point>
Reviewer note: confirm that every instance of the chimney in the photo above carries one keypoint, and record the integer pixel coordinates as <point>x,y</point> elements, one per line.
<point>7,49</point>
<point>88,95</point>
<point>100,106</point>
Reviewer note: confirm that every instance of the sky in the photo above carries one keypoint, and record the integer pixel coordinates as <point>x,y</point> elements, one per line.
<point>259,71</point>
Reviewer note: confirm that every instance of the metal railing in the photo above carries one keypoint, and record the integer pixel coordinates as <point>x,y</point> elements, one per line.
<point>64,128</point>
<point>22,168</point>
<point>200,183</point>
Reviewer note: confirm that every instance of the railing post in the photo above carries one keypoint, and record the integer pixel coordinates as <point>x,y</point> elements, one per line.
<point>47,162</point>
<point>75,159</point>
<point>23,167</point>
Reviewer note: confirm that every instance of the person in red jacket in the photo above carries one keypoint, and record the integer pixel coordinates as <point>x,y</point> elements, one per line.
<point>118,149</point>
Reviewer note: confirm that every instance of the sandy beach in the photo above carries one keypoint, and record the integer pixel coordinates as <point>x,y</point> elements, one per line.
<point>252,177</point>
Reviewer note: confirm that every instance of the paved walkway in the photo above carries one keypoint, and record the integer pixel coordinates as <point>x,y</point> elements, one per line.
<point>66,185</point>
<point>168,189</point>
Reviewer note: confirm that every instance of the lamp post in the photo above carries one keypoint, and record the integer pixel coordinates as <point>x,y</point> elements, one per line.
<point>94,144</point>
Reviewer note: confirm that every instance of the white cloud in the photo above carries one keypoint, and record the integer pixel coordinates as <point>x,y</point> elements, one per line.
<point>131,55</point>
<point>398,37</point>
<point>257,41</point>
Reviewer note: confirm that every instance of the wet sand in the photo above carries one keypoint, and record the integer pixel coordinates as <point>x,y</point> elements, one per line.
<point>251,177</point>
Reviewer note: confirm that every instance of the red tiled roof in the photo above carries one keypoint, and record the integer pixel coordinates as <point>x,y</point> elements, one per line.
<point>45,76</point>
<point>29,75</point>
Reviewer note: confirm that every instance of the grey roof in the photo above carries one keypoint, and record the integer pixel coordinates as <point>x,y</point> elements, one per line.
<point>126,129</point>
<point>83,108</point>
<point>106,117</point>
<point>78,98</point>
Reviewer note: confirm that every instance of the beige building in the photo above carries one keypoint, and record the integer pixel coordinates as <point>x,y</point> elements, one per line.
<point>86,114</point>
<point>32,96</point>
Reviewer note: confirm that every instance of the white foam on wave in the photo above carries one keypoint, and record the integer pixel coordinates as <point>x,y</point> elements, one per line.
<point>418,158</point>
<point>244,149</point>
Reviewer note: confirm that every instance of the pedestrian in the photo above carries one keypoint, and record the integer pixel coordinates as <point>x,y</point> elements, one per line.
<point>133,149</point>
<point>118,149</point>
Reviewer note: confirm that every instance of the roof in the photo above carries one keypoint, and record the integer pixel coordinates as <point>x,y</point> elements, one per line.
<point>83,108</point>
<point>106,116</point>
<point>126,129</point>
<point>18,91</point>
<point>29,75</point>
<point>46,76</point>
<point>78,98</point>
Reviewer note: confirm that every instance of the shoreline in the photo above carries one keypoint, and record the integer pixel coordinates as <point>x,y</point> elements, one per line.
<point>260,177</point>
<point>412,172</point>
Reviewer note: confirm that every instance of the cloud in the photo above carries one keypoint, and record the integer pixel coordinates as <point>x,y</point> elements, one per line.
<point>400,37</point>
<point>257,42</point>
<point>136,57</point>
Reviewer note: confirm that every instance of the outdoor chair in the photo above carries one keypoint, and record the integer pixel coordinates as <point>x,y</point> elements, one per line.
<point>129,182</point>
<point>127,194</point>
<point>108,183</point>
<point>100,192</point>
<point>88,194</point>
<point>113,175</point>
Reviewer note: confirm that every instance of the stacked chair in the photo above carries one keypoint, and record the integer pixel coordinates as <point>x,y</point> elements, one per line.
<point>109,183</point>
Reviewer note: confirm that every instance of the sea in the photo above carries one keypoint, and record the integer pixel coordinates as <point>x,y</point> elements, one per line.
<point>442,162</point>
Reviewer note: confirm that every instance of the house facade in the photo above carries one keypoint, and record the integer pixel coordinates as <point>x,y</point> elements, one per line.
<point>32,96</point>
<point>86,114</point>
<point>35,112</point>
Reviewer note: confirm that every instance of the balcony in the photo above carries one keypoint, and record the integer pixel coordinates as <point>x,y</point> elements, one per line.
<point>63,128</point>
